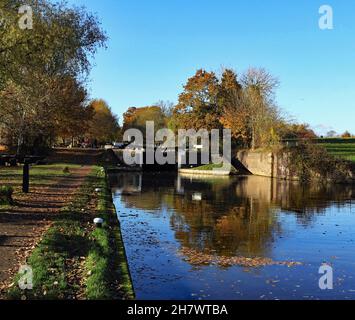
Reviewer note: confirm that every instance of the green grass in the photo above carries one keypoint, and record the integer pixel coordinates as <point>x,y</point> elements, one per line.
<point>341,150</point>
<point>70,238</point>
<point>107,261</point>
<point>212,166</point>
<point>39,175</point>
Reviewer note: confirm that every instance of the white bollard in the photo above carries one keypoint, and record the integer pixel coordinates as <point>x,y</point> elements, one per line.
<point>98,222</point>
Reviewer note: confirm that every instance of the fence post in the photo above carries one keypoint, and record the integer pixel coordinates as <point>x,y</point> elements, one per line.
<point>26,177</point>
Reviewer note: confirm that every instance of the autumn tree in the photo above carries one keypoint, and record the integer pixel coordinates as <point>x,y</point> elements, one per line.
<point>34,115</point>
<point>61,42</point>
<point>346,134</point>
<point>298,131</point>
<point>137,118</point>
<point>34,63</point>
<point>234,114</point>
<point>104,126</point>
<point>197,107</point>
<point>73,114</point>
<point>246,107</point>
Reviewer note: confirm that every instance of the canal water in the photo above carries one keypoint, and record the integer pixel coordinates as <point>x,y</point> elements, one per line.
<point>182,232</point>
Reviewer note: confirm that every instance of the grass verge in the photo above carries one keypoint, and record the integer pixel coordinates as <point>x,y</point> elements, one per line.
<point>107,264</point>
<point>212,166</point>
<point>74,260</point>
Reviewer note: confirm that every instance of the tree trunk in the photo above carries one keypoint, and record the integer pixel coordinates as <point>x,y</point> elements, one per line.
<point>253,142</point>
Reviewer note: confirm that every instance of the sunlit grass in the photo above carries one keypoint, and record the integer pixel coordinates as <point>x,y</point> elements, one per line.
<point>39,174</point>
<point>342,150</point>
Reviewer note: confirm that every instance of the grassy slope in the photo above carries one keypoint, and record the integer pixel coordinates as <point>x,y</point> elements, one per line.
<point>70,238</point>
<point>211,166</point>
<point>342,150</point>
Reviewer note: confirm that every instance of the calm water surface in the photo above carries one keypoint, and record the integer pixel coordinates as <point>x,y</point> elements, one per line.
<point>235,217</point>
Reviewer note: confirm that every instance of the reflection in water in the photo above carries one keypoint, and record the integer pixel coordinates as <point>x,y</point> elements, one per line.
<point>229,217</point>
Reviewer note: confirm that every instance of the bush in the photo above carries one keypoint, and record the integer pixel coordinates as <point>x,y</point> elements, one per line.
<point>6,195</point>
<point>311,161</point>
<point>66,170</point>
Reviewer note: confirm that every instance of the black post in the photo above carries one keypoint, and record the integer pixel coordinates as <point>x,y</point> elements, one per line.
<point>26,177</point>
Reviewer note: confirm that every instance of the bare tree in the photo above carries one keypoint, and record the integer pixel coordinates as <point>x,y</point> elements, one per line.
<point>262,81</point>
<point>263,115</point>
<point>167,107</point>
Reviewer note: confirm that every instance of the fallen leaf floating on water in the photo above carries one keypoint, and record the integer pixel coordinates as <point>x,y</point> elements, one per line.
<point>198,258</point>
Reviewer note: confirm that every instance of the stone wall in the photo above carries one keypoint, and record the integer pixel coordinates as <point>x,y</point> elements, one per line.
<point>276,165</point>
<point>257,163</point>
<point>267,164</point>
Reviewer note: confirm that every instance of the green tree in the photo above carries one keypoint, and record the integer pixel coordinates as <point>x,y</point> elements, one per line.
<point>61,42</point>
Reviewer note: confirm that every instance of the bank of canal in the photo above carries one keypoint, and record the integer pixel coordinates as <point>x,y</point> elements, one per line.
<point>75,259</point>
<point>235,237</point>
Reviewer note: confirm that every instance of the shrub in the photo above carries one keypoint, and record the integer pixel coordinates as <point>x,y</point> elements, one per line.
<point>310,161</point>
<point>66,170</point>
<point>6,195</point>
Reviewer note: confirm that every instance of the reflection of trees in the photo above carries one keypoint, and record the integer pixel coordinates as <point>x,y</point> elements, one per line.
<point>124,183</point>
<point>246,228</point>
<point>307,202</point>
<point>236,216</point>
<point>304,201</point>
<point>222,222</point>
<point>145,201</point>
<point>149,195</point>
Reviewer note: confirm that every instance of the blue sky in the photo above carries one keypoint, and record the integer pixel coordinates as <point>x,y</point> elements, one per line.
<point>156,45</point>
